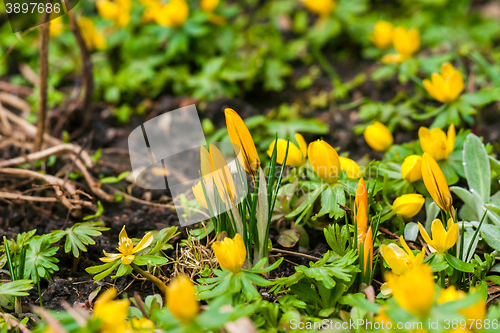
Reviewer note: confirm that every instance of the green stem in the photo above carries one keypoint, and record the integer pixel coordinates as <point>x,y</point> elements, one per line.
<point>327,67</point>
<point>442,278</point>
<point>152,278</point>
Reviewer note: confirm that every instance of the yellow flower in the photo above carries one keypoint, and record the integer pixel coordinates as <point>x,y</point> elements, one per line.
<point>435,182</point>
<point>230,253</point>
<point>200,195</point>
<point>56,26</point>
<point>209,5</point>
<point>140,325</point>
<point>111,313</point>
<point>406,44</point>
<point>93,39</point>
<point>400,261</point>
<point>324,160</point>
<point>350,167</point>
<point>181,299</point>
<point>382,34</point>
<point>215,172</point>
<point>127,249</point>
<point>442,240</point>
<point>240,136</point>
<point>476,312</point>
<point>411,169</point>
<point>414,290</point>
<point>447,86</point>
<point>322,8</point>
<point>118,10</point>
<point>361,194</point>
<point>368,250</point>
<point>296,155</point>
<point>408,205</point>
<point>378,137</point>
<point>436,143</point>
<point>173,14</point>
<point>361,223</point>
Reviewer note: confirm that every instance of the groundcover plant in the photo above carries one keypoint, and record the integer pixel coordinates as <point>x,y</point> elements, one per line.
<point>342,173</point>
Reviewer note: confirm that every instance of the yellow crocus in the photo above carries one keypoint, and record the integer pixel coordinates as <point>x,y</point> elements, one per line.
<point>324,160</point>
<point>447,86</point>
<point>368,250</point>
<point>406,42</point>
<point>382,34</point>
<point>436,143</point>
<point>200,195</point>
<point>93,39</point>
<point>476,312</point>
<point>361,223</point>
<point>240,136</point>
<point>209,5</point>
<point>436,184</point>
<point>398,259</point>
<point>127,249</point>
<point>361,194</point>
<point>322,8</point>
<point>296,155</point>
<point>181,299</point>
<point>442,240</point>
<point>411,169</point>
<point>350,167</point>
<point>215,172</point>
<point>56,26</point>
<point>112,313</point>
<point>230,253</point>
<point>414,290</point>
<point>173,14</point>
<point>378,137</point>
<point>140,325</point>
<point>117,11</point>
<point>408,205</point>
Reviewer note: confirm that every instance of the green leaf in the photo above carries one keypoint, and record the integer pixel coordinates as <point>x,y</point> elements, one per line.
<point>477,166</point>
<point>16,288</point>
<point>459,264</point>
<point>491,235</point>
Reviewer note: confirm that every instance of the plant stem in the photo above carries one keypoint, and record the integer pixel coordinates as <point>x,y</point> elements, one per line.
<point>442,278</point>
<point>152,278</point>
<point>44,69</point>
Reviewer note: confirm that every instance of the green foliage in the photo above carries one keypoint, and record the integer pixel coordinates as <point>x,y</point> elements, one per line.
<point>40,258</point>
<point>79,236</point>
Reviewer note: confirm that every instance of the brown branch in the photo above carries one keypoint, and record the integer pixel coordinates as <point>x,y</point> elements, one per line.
<point>5,122</point>
<point>12,88</point>
<point>15,196</point>
<point>396,237</point>
<point>44,72</point>
<point>29,74</point>
<point>15,102</point>
<point>92,183</point>
<point>56,150</point>
<point>297,254</point>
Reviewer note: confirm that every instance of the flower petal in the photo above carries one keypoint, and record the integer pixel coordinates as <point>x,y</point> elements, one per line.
<point>127,260</point>
<point>302,144</point>
<point>144,243</point>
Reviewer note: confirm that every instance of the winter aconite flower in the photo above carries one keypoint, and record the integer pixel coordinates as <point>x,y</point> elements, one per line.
<point>230,253</point>
<point>447,86</point>
<point>240,136</point>
<point>350,167</point>
<point>414,290</point>
<point>93,39</point>
<point>411,169</point>
<point>435,182</point>
<point>324,160</point>
<point>406,42</point>
<point>181,299</point>
<point>442,240</point>
<point>140,325</point>
<point>475,314</point>
<point>209,5</point>
<point>112,313</point>
<point>173,14</point>
<point>398,259</point>
<point>436,143</point>
<point>382,34</point>
<point>378,137</point>
<point>127,249</point>
<point>296,155</point>
<point>117,10</point>
<point>322,8</point>
<point>408,205</point>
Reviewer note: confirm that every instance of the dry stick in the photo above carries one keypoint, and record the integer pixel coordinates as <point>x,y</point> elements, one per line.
<point>87,75</point>
<point>56,150</point>
<point>92,184</point>
<point>12,88</point>
<point>396,237</point>
<point>5,122</point>
<point>44,72</point>
<point>14,323</point>
<point>15,196</point>
<point>15,102</point>
<point>297,254</point>
<point>49,180</point>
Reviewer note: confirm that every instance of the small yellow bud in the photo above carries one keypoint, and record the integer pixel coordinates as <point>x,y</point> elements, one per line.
<point>378,137</point>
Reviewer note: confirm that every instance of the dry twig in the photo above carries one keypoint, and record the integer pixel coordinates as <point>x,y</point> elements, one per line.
<point>44,72</point>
